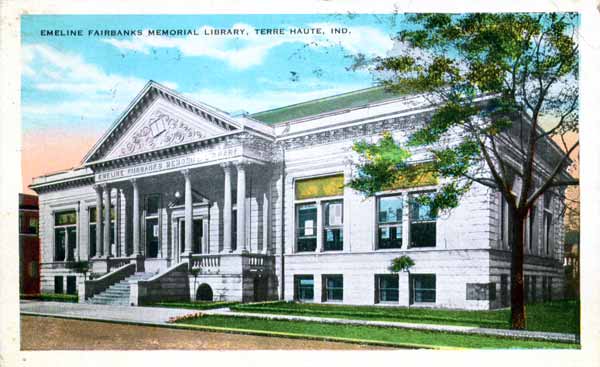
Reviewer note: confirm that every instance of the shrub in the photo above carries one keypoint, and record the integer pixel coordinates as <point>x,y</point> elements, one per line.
<point>51,297</point>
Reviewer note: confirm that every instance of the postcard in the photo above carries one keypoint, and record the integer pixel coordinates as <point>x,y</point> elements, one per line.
<point>219,180</point>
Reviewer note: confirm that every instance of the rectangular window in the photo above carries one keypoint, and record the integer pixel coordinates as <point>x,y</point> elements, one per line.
<point>547,231</point>
<point>387,286</point>
<point>65,235</point>
<point>152,225</point>
<point>333,221</point>
<point>319,222</point>
<point>32,225</point>
<point>423,288</point>
<point>306,227</point>
<point>92,235</point>
<point>71,284</point>
<point>549,288</point>
<point>389,217</point>
<point>504,290</point>
<point>60,243</point>
<point>305,287</point>
<point>422,223</point>
<point>58,285</point>
<point>197,236</point>
<point>319,187</point>
<point>333,288</point>
<point>503,211</point>
<point>481,291</point>
<point>65,218</point>
<point>548,221</point>
<point>152,204</point>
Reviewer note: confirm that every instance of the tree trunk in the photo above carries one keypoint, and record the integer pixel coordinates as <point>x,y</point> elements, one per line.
<point>517,296</point>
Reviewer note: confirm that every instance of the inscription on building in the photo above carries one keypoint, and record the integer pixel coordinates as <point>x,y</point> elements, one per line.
<point>170,164</point>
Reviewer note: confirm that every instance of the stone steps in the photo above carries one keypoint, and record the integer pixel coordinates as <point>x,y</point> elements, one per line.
<point>118,293</point>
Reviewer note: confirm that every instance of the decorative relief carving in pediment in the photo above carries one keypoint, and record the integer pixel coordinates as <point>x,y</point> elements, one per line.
<point>160,131</point>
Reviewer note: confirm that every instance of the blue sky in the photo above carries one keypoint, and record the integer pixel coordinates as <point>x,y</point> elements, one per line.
<point>84,82</point>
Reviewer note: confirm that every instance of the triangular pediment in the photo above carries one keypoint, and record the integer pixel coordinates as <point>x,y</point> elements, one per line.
<point>157,119</point>
<point>162,125</point>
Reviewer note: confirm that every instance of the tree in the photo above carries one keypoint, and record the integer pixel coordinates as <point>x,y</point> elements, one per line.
<point>402,263</point>
<point>497,81</point>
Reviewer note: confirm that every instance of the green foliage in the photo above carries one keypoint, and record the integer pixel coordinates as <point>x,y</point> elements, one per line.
<point>51,297</point>
<point>572,237</point>
<point>402,263</point>
<point>393,336</point>
<point>527,62</point>
<point>555,316</point>
<point>380,166</point>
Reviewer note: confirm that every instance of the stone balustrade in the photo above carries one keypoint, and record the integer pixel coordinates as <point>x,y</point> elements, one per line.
<point>230,263</point>
<point>205,261</point>
<point>117,262</point>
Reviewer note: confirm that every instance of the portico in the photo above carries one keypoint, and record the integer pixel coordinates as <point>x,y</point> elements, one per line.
<point>163,218</point>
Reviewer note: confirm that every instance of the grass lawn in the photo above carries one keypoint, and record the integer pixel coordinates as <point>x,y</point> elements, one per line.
<point>556,316</point>
<point>400,337</point>
<point>193,305</point>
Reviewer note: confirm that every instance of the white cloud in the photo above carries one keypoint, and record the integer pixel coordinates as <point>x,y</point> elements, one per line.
<point>245,51</point>
<point>88,93</point>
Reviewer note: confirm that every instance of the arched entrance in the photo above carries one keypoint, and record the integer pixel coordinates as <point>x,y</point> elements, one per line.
<point>204,293</point>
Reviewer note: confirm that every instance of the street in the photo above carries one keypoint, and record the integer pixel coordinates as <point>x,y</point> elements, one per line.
<point>48,333</point>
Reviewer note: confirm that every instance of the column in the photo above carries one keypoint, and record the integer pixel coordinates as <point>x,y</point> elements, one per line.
<point>77,254</point>
<point>106,228</point>
<point>227,208</point>
<point>136,219</point>
<point>124,226</point>
<point>118,252</point>
<point>266,219</point>
<point>241,207</point>
<point>189,225</point>
<point>99,251</point>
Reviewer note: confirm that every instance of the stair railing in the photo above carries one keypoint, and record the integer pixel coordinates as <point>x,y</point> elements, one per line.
<point>92,287</point>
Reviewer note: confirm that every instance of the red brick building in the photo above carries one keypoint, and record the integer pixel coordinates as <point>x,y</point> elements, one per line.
<point>29,245</point>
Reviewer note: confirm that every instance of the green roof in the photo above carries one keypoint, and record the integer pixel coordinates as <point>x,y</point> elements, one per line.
<point>353,99</point>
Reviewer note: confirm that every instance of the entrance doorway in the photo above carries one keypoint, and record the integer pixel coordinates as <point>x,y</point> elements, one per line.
<point>152,241</point>
<point>204,293</point>
<point>261,288</point>
<point>197,235</point>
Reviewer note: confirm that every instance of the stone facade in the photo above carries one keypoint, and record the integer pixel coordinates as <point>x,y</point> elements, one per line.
<point>237,178</point>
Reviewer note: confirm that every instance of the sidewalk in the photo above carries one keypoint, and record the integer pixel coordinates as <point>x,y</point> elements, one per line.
<point>84,311</point>
<point>160,316</point>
